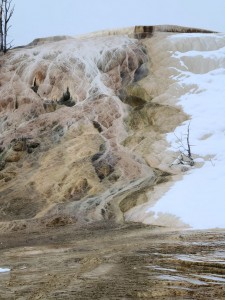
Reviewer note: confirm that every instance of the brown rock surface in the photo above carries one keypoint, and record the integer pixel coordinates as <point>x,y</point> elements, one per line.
<point>70,175</point>
<point>95,150</point>
<point>105,261</point>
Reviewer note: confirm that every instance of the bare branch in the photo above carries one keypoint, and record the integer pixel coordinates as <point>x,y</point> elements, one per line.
<point>188,141</point>
<point>185,156</point>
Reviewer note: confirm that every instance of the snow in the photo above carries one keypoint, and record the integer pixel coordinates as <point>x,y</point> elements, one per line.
<point>198,199</point>
<point>4,270</point>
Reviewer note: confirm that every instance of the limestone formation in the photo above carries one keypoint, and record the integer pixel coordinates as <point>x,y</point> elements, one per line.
<point>85,156</point>
<point>83,130</point>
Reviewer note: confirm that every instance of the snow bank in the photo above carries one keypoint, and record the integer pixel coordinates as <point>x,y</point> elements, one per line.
<point>198,199</point>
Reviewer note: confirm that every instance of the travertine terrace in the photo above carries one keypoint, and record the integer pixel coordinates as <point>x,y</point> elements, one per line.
<point>83,148</point>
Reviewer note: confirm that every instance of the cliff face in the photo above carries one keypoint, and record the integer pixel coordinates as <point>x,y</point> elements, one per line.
<point>83,124</point>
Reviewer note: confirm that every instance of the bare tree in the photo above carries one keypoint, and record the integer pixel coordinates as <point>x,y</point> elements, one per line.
<point>185,157</point>
<point>1,26</point>
<point>6,12</point>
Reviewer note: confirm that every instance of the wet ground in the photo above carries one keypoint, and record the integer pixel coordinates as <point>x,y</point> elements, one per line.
<point>105,261</point>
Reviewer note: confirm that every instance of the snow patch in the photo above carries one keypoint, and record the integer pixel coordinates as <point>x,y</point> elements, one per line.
<point>4,270</point>
<point>197,66</point>
<point>199,198</point>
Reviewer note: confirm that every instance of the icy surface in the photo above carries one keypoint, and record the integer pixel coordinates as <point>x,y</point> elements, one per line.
<point>3,270</point>
<point>199,198</point>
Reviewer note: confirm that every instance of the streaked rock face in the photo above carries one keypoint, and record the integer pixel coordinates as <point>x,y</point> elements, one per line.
<point>83,124</point>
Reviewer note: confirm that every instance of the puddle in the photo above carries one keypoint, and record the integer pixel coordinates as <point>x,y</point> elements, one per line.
<point>220,254</point>
<point>4,270</point>
<point>210,258</point>
<point>210,277</point>
<point>215,243</point>
<point>158,268</point>
<point>192,258</point>
<point>181,278</point>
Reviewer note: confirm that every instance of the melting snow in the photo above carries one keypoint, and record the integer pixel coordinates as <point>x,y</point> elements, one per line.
<point>199,198</point>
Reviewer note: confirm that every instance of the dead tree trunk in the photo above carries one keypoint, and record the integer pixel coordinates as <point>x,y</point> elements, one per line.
<point>7,12</point>
<point>1,25</point>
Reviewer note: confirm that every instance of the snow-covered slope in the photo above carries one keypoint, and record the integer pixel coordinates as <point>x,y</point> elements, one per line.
<point>198,199</point>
